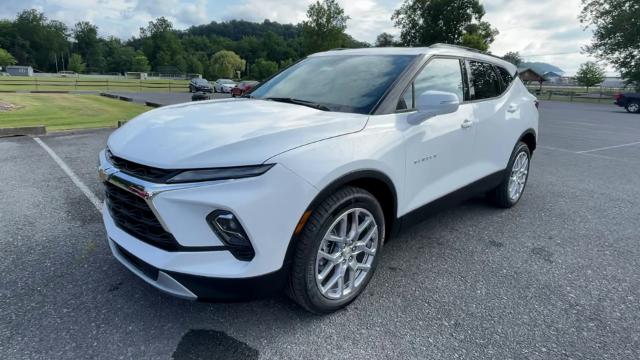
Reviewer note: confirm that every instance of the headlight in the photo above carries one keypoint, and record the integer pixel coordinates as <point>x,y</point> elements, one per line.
<point>220,173</point>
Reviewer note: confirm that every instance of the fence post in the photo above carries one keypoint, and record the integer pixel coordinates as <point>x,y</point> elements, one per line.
<point>139,85</point>
<point>169,86</point>
<point>36,79</point>
<point>550,93</point>
<point>75,86</point>
<point>571,98</point>
<point>107,84</point>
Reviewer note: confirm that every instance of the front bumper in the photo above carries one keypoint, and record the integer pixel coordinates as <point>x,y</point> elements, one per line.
<point>268,207</point>
<point>193,287</point>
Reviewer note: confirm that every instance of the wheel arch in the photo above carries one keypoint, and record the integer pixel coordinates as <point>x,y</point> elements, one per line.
<point>374,181</point>
<point>529,138</point>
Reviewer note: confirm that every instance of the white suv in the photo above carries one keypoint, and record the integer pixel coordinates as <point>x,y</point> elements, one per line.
<point>299,184</point>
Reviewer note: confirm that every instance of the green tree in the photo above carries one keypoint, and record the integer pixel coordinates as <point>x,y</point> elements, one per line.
<point>513,57</point>
<point>262,69</point>
<point>384,40</point>
<point>140,63</point>
<point>76,64</point>
<point>425,22</point>
<point>324,27</point>
<point>225,64</point>
<point>590,74</point>
<point>6,58</point>
<point>616,34</point>
<point>88,45</point>
<point>161,45</point>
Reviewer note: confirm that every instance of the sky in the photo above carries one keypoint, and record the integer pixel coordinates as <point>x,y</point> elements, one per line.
<point>541,30</point>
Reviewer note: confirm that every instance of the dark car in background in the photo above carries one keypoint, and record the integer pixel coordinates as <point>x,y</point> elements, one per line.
<point>629,101</point>
<point>200,85</point>
<point>243,87</point>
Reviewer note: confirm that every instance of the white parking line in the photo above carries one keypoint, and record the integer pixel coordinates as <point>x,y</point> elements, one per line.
<point>76,180</point>
<point>608,147</point>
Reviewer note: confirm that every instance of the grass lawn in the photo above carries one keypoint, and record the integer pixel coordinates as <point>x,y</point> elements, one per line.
<point>65,111</point>
<point>17,83</point>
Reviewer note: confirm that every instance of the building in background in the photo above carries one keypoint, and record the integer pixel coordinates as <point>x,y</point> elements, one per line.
<point>15,70</point>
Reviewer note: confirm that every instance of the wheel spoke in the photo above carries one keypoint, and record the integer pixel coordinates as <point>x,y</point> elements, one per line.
<point>327,269</point>
<point>362,227</point>
<point>332,258</point>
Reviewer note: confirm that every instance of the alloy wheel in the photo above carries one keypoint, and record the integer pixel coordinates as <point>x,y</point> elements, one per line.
<point>346,254</point>
<point>518,178</point>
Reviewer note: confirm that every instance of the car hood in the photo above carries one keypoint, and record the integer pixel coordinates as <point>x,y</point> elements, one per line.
<point>231,132</point>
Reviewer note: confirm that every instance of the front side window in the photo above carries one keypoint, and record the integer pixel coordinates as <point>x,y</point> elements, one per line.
<point>484,81</point>
<point>440,74</point>
<point>345,83</point>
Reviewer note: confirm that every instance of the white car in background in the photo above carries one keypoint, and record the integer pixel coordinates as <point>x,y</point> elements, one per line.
<point>299,187</point>
<point>223,85</point>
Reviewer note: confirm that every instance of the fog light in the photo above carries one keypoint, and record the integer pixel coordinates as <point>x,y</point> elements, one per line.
<point>227,227</point>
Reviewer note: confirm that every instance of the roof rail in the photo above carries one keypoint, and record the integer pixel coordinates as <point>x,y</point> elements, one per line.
<point>441,45</point>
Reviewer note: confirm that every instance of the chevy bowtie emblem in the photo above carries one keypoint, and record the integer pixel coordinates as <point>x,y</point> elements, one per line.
<point>142,193</point>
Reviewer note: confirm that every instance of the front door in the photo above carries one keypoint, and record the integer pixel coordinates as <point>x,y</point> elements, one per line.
<point>439,151</point>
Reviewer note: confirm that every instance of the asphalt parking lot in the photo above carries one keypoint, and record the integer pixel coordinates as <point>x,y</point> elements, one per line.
<point>557,277</point>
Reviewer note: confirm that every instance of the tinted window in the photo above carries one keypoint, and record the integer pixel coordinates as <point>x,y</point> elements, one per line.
<point>484,81</point>
<point>507,78</point>
<point>341,83</point>
<point>438,75</point>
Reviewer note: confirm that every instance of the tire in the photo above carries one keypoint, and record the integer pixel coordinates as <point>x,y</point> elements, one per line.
<point>633,107</point>
<point>304,279</point>
<point>190,89</point>
<point>215,90</point>
<point>501,196</point>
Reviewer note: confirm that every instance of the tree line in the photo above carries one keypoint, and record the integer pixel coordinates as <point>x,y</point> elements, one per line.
<point>220,49</point>
<point>257,50</point>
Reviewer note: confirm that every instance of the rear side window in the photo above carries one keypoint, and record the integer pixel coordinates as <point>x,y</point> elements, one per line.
<point>506,77</point>
<point>484,81</point>
<point>440,74</point>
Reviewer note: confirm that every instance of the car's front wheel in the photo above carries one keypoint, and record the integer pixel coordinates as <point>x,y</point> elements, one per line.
<point>337,251</point>
<point>509,192</point>
<point>633,107</point>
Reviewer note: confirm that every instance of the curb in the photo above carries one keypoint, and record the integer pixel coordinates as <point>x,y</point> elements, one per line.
<point>22,131</point>
<point>152,104</point>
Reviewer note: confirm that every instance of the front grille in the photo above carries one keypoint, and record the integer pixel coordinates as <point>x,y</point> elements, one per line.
<point>140,171</point>
<point>132,214</point>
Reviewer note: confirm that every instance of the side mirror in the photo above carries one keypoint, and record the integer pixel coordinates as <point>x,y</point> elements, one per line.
<point>433,103</point>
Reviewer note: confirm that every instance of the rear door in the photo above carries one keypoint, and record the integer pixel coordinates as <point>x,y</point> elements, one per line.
<point>496,113</point>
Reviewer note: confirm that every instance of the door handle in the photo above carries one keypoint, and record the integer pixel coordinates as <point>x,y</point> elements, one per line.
<point>466,124</point>
<point>512,108</point>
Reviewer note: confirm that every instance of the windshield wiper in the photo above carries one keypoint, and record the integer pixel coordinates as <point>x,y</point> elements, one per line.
<point>289,100</point>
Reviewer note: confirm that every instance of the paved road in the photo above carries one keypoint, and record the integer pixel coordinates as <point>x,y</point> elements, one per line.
<point>557,277</point>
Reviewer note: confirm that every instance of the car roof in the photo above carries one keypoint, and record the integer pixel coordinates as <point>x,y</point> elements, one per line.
<point>437,49</point>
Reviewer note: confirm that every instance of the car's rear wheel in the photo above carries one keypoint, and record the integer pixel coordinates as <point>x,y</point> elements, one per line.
<point>337,251</point>
<point>633,107</point>
<point>510,190</point>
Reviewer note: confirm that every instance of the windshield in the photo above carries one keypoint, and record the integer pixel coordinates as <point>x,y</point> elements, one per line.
<point>226,81</point>
<point>339,83</point>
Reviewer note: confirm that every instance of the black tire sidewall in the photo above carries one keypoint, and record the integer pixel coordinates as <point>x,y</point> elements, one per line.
<point>632,103</point>
<point>358,200</point>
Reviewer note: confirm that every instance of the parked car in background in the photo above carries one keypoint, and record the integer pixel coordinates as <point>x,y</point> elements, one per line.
<point>298,187</point>
<point>243,87</point>
<point>223,85</point>
<point>629,101</point>
<point>200,85</point>
<point>67,74</point>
